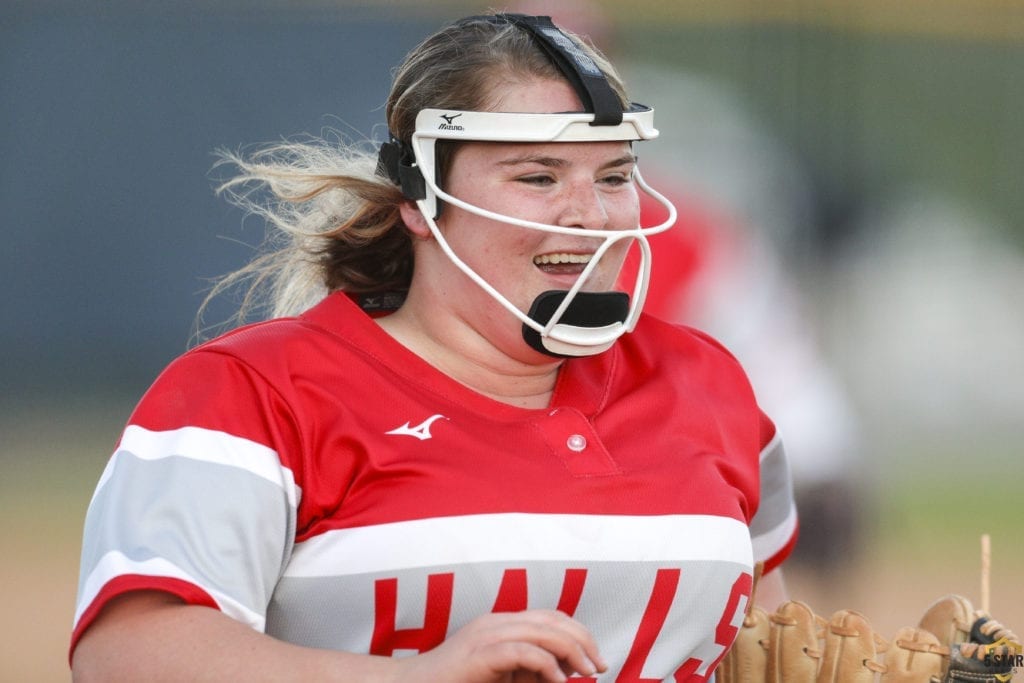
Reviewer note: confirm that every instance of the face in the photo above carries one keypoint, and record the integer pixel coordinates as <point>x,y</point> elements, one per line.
<point>585,185</point>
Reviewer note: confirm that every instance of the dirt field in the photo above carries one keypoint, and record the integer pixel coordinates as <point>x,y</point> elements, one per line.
<point>924,549</point>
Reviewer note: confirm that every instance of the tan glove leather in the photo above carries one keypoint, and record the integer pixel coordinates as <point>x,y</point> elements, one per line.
<point>794,648</point>
<point>850,650</point>
<point>915,656</point>
<point>749,663</point>
<point>793,645</point>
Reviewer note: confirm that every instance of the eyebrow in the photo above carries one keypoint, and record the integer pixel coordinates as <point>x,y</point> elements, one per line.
<point>557,162</point>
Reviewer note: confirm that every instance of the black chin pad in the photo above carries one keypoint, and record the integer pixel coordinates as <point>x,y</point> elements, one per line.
<point>587,309</point>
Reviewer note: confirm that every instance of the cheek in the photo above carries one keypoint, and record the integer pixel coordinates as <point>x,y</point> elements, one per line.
<point>624,209</point>
<point>487,245</point>
<point>611,262</point>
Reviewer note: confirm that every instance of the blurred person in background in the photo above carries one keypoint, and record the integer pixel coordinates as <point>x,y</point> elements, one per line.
<point>457,451</point>
<point>721,271</point>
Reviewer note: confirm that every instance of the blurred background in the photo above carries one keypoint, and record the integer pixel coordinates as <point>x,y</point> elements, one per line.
<point>849,176</point>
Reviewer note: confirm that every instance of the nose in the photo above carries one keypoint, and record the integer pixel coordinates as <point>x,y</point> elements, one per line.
<point>582,206</point>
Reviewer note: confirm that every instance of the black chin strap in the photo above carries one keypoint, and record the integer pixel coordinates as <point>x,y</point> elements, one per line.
<point>586,310</point>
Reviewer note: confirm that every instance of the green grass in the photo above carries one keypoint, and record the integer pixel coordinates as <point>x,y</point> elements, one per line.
<point>949,507</point>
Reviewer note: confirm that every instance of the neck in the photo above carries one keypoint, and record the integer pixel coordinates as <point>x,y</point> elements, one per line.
<point>465,356</point>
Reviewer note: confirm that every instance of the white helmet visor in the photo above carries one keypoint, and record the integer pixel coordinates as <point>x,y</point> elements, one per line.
<point>557,337</point>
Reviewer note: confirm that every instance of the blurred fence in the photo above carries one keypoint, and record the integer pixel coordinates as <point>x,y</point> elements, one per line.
<point>111,112</point>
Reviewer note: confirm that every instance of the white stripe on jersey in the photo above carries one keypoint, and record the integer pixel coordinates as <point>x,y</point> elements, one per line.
<point>206,445</point>
<point>769,543</point>
<point>776,442</point>
<point>114,564</point>
<point>523,538</point>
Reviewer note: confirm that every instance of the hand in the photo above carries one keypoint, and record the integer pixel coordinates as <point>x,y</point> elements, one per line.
<point>509,647</point>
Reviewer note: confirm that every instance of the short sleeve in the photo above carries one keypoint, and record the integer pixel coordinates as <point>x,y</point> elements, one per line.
<point>197,499</point>
<point>774,527</point>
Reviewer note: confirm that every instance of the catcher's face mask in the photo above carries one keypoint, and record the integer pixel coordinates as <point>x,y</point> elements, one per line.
<point>560,322</point>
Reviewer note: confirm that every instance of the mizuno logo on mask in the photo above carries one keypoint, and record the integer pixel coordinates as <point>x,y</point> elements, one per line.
<point>448,125</point>
<point>420,431</point>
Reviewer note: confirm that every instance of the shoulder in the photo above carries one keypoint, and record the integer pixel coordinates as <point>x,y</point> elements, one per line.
<point>689,367</point>
<point>679,369</point>
<point>663,343</point>
<point>328,328</point>
<point>270,363</point>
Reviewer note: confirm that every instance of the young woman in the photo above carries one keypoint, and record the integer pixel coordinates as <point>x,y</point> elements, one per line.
<point>454,453</point>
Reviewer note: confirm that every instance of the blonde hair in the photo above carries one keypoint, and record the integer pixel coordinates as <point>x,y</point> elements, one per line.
<point>333,222</point>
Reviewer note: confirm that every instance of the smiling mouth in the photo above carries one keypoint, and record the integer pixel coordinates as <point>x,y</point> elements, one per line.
<point>562,263</point>
<point>561,260</point>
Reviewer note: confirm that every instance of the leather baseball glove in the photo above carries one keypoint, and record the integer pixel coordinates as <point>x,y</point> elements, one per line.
<point>952,642</point>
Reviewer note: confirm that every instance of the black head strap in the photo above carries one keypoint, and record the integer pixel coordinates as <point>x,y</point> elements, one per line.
<point>579,68</point>
<point>397,162</point>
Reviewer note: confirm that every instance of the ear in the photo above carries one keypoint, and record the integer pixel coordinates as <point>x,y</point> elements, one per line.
<point>414,220</point>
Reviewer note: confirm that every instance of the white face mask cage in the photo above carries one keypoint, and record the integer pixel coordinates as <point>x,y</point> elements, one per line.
<point>637,124</point>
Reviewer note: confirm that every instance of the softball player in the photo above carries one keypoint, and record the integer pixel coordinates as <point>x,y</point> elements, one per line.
<point>455,452</point>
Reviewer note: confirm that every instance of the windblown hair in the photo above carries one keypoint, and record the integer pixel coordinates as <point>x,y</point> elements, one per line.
<point>332,222</point>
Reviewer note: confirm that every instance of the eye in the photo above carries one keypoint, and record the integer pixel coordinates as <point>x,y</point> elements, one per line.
<point>539,180</point>
<point>617,179</point>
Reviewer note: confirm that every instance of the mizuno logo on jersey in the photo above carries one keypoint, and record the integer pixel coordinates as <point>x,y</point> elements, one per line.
<point>420,431</point>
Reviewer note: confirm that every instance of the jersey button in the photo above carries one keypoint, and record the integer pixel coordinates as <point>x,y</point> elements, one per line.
<point>576,442</point>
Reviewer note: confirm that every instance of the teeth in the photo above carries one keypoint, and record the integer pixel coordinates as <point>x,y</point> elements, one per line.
<point>550,259</point>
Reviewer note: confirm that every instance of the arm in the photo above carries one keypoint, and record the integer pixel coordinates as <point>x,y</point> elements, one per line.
<point>771,591</point>
<point>153,636</point>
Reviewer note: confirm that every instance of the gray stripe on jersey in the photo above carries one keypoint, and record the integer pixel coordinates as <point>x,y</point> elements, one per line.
<point>339,612</point>
<point>229,529</point>
<point>776,491</point>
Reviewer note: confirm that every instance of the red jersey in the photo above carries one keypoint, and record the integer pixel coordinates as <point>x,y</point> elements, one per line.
<point>315,479</point>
